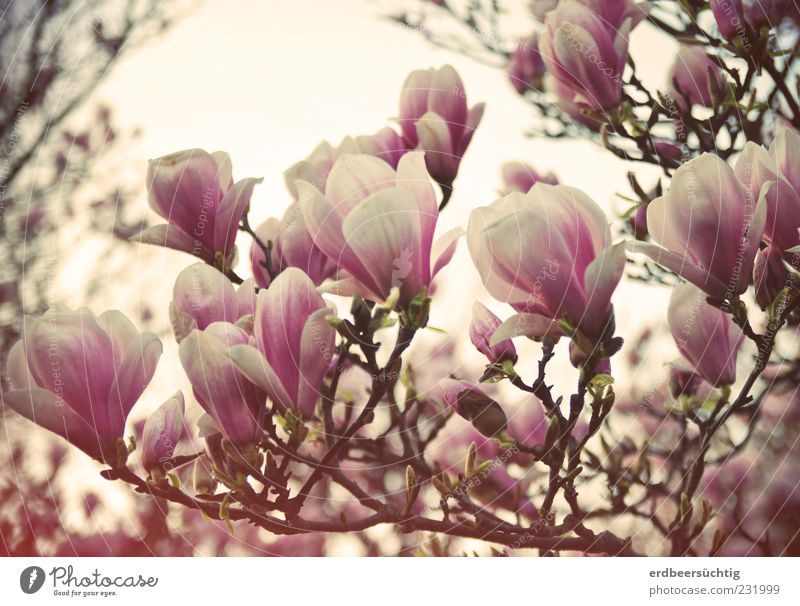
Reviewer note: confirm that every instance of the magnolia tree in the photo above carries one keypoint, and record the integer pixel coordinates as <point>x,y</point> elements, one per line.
<point>323,415</point>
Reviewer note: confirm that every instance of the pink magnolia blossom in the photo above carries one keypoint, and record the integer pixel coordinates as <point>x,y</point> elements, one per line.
<point>293,345</point>
<point>688,79</point>
<point>470,402</point>
<point>378,225</point>
<point>668,150</point>
<point>730,17</point>
<point>578,357</point>
<point>518,176</point>
<point>79,375</point>
<point>586,52</point>
<point>526,67</point>
<point>708,226</point>
<point>317,166</point>
<point>615,13</point>
<point>783,197</point>
<point>292,246</point>
<point>386,144</point>
<point>235,404</point>
<point>434,117</point>
<point>203,295</point>
<point>770,275</point>
<point>565,102</point>
<point>483,326</point>
<point>194,191</point>
<point>162,432</point>
<point>638,222</point>
<point>767,13</point>
<point>549,254</point>
<point>705,335</point>
<point>684,381</point>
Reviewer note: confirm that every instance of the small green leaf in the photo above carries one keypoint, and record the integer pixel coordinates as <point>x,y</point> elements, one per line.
<point>602,380</point>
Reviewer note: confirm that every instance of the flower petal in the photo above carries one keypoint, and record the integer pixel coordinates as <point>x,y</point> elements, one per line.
<point>354,177</point>
<point>524,324</point>
<point>681,266</point>
<point>252,364</point>
<point>601,279</point>
<point>170,236</point>
<point>46,410</point>
<point>384,232</point>
<point>324,224</point>
<point>134,373</point>
<point>444,248</point>
<point>229,213</point>
<point>316,352</point>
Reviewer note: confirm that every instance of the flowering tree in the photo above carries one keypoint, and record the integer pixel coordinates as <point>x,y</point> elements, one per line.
<point>324,413</point>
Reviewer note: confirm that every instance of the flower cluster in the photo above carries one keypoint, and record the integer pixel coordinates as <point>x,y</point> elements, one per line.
<point>309,375</point>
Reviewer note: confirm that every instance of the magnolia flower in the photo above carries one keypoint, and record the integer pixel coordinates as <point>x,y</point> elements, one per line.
<point>236,405</point>
<point>194,191</point>
<point>730,17</point>
<point>78,376</point>
<point>668,150</point>
<point>483,326</point>
<point>294,344</point>
<point>564,101</point>
<point>434,118</point>
<point>471,403</point>
<point>779,166</point>
<point>785,149</point>
<point>683,380</point>
<point>377,225</point>
<point>586,52</point>
<point>203,295</point>
<point>386,144</point>
<point>161,433</point>
<point>708,226</point>
<point>615,13</point>
<point>638,222</point>
<point>688,78</point>
<point>769,275</point>
<point>292,246</point>
<point>316,168</point>
<point>526,67</point>
<point>578,358</point>
<point>518,176</point>
<point>549,254</point>
<point>705,335</point>
<point>767,13</point>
